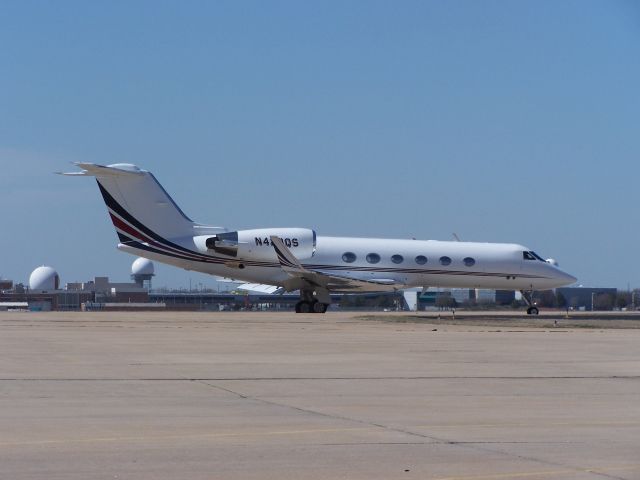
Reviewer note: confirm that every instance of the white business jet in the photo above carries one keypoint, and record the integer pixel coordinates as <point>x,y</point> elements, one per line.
<point>150,224</point>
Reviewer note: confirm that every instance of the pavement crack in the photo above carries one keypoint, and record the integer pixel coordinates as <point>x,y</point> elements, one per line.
<point>325,415</point>
<point>478,446</point>
<point>218,387</point>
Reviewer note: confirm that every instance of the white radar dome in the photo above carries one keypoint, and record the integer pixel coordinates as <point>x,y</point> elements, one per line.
<point>142,266</point>
<point>44,278</point>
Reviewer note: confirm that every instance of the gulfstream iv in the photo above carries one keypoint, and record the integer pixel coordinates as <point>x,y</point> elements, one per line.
<point>150,224</point>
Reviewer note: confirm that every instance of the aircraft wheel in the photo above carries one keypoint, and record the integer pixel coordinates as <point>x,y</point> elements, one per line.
<point>319,307</point>
<point>303,307</point>
<point>533,311</point>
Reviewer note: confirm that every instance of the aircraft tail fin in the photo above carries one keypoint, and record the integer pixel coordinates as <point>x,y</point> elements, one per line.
<point>139,207</point>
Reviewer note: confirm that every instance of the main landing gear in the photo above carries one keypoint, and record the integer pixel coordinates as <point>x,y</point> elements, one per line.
<point>313,302</point>
<point>528,298</point>
<point>311,307</point>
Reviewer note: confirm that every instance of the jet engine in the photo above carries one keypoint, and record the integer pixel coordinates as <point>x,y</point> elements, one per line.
<point>256,244</point>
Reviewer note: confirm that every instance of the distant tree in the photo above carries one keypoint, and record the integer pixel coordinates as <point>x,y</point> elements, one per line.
<point>603,301</point>
<point>445,301</point>
<point>635,298</point>
<point>623,299</point>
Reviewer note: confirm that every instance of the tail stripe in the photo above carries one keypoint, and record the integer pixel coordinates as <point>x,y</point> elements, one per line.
<point>117,208</point>
<point>121,225</point>
<point>125,222</point>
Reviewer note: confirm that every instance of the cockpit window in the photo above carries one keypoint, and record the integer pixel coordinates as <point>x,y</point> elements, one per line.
<point>538,257</point>
<point>532,256</point>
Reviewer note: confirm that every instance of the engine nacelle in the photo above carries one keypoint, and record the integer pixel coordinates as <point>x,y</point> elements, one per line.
<point>256,244</point>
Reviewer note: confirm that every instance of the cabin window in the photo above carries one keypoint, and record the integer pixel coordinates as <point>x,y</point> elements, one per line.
<point>373,258</point>
<point>445,261</point>
<point>421,259</point>
<point>469,262</point>
<point>349,257</point>
<point>397,258</point>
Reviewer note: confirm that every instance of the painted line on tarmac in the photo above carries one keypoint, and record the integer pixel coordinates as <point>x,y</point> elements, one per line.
<point>544,473</point>
<point>184,437</point>
<point>536,424</point>
<point>271,379</point>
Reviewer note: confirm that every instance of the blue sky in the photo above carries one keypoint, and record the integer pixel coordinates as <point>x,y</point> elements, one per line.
<point>500,121</point>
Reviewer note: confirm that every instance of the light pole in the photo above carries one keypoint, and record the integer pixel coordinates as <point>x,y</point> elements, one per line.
<point>592,295</point>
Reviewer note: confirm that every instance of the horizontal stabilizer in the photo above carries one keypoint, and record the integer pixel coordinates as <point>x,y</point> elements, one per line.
<point>139,207</point>
<point>95,170</point>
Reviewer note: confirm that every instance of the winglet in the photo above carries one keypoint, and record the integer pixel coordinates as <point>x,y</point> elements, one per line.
<point>288,261</point>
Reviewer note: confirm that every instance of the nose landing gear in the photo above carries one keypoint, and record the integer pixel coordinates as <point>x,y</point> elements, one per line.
<point>532,309</point>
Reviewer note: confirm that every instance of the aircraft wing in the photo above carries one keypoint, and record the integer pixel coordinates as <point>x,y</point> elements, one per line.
<point>260,288</point>
<point>301,276</point>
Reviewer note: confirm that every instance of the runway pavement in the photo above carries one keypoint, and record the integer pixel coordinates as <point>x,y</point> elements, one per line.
<point>284,396</point>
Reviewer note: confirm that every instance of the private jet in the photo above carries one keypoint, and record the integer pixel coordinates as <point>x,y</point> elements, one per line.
<point>150,224</point>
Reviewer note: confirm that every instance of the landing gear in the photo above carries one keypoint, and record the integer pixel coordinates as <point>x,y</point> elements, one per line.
<point>528,297</point>
<point>313,301</point>
<point>303,307</point>
<point>311,307</point>
<point>319,307</point>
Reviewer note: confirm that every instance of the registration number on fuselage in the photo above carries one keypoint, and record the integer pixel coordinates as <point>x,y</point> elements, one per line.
<point>289,242</point>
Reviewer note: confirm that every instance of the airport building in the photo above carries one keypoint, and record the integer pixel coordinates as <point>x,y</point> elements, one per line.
<point>463,297</point>
<point>44,293</point>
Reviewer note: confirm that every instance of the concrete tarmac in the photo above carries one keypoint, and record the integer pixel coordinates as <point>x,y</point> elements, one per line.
<point>284,396</point>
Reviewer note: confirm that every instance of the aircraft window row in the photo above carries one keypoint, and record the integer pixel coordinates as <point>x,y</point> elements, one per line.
<point>350,257</point>
<point>532,256</point>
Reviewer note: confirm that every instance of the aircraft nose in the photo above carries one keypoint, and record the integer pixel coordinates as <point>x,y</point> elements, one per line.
<point>565,278</point>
